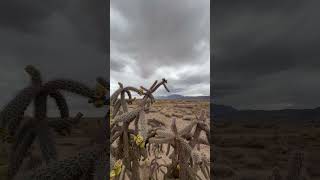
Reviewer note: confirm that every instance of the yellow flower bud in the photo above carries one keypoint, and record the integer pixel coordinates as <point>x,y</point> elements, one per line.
<point>139,140</point>
<point>116,170</point>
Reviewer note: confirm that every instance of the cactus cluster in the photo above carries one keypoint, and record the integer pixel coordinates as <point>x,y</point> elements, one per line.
<point>24,131</point>
<point>186,158</point>
<point>129,142</point>
<point>296,168</point>
<point>134,139</point>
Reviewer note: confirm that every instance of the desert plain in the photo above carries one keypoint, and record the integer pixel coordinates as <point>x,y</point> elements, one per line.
<point>251,150</point>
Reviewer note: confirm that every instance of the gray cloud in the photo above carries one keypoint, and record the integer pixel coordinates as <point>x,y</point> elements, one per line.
<point>154,39</point>
<point>64,39</point>
<point>266,54</point>
<point>26,15</point>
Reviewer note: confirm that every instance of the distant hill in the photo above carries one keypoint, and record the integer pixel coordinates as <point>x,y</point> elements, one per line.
<point>222,112</point>
<point>180,97</point>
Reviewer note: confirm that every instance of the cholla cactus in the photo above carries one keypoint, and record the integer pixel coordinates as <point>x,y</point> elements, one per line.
<point>148,137</point>
<point>183,154</point>
<point>275,174</point>
<point>64,126</point>
<point>190,161</point>
<point>129,144</point>
<point>72,168</point>
<point>296,168</point>
<point>24,130</point>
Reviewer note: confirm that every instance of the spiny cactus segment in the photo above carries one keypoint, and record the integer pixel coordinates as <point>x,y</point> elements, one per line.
<point>134,139</point>
<point>20,132</point>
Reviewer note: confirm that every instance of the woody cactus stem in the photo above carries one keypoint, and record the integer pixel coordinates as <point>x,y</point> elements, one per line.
<point>200,126</point>
<point>101,168</point>
<point>182,150</point>
<point>296,169</point>
<point>20,148</point>
<point>185,159</point>
<point>65,125</point>
<point>16,107</point>
<point>130,142</point>
<point>152,89</point>
<point>36,80</point>
<point>14,111</point>
<point>70,86</point>
<point>46,141</point>
<point>148,99</point>
<point>61,103</point>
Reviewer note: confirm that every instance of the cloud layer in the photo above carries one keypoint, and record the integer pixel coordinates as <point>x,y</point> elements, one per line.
<point>265,54</point>
<point>153,39</point>
<point>64,39</point>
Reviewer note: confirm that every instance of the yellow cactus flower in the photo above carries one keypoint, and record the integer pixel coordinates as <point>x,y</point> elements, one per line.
<point>111,121</point>
<point>100,93</point>
<point>9,139</point>
<point>139,140</point>
<point>116,170</point>
<point>4,135</point>
<point>100,90</point>
<point>178,167</point>
<point>140,91</point>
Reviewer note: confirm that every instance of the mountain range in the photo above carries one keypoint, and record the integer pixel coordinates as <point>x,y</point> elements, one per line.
<point>181,97</point>
<point>222,112</point>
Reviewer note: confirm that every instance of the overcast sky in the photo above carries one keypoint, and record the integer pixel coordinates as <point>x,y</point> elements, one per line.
<point>63,38</point>
<point>152,39</point>
<point>266,53</point>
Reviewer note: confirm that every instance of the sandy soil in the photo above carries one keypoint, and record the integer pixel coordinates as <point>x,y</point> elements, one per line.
<point>250,150</point>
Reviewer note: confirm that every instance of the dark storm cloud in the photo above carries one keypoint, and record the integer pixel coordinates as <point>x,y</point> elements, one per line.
<point>266,53</point>
<point>153,39</point>
<point>116,65</point>
<point>26,15</point>
<point>64,39</point>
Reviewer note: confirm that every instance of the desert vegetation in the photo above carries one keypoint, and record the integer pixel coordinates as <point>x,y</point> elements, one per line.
<point>269,150</point>
<point>145,146</point>
<point>29,143</point>
<point>173,144</point>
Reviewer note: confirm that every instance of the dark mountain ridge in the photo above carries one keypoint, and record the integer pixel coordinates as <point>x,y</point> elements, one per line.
<point>222,112</point>
<point>180,97</point>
